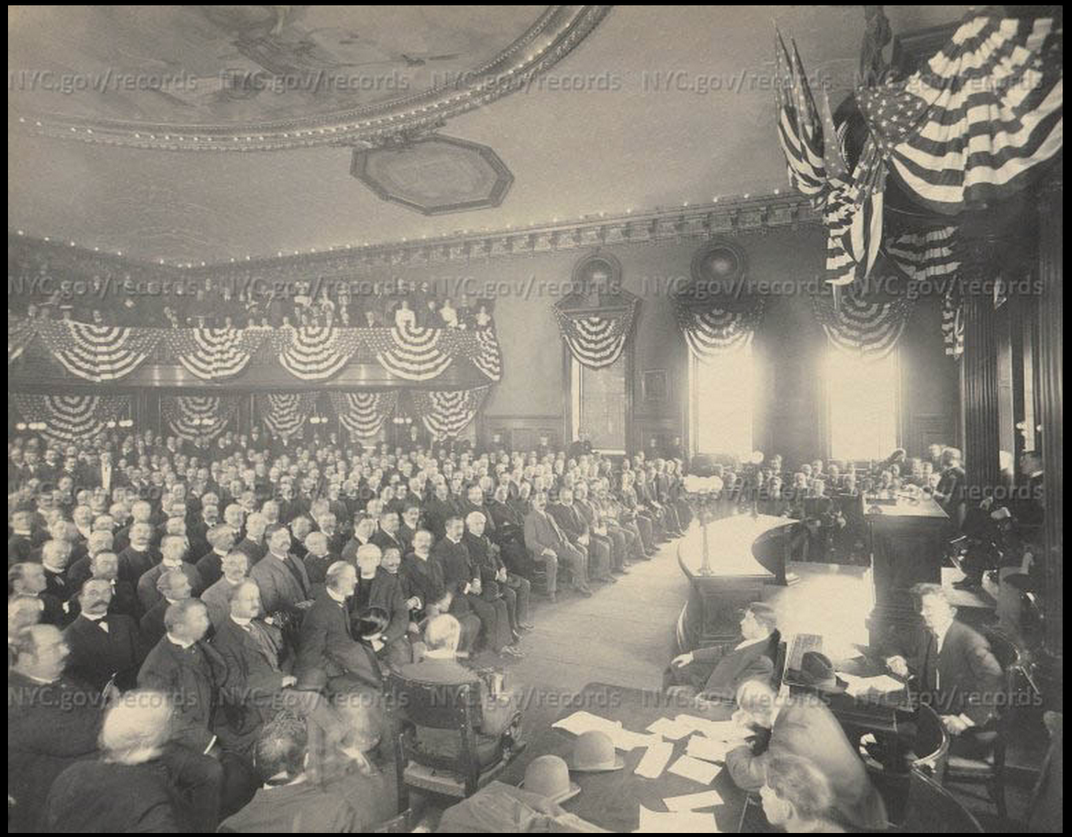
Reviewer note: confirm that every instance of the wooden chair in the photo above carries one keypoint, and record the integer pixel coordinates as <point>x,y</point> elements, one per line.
<point>444,707</point>
<point>932,809</point>
<point>990,771</point>
<point>931,745</point>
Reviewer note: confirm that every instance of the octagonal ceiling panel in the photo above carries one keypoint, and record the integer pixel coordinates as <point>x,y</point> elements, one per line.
<point>436,175</point>
<point>239,77</point>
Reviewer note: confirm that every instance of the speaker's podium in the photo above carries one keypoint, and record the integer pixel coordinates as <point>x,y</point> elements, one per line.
<point>907,541</point>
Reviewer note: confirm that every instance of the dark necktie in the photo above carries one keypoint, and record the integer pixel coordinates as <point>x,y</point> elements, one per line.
<point>292,565</point>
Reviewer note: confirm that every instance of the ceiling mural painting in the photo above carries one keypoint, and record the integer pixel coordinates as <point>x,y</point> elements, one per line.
<point>268,77</point>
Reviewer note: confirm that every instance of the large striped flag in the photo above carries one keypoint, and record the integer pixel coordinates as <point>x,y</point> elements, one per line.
<point>803,165</point>
<point>409,352</point>
<point>972,125</point>
<point>926,254</point>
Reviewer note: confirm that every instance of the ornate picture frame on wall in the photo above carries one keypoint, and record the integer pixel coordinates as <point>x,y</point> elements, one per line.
<point>655,386</point>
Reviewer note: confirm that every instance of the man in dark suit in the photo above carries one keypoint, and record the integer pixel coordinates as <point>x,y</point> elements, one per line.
<point>957,668</point>
<point>28,579</point>
<point>802,725</point>
<point>422,573</point>
<point>127,790</point>
<point>378,588</point>
<point>140,557</point>
<point>572,523</point>
<point>386,537</point>
<point>172,586</point>
<point>52,722</point>
<point>253,543</point>
<point>327,642</point>
<point>364,528</point>
<point>546,541</point>
<point>103,647</point>
<point>499,714</point>
<point>462,579</point>
<point>190,670</point>
<point>495,579</point>
<point>717,676</point>
<point>209,566</point>
<point>437,510</point>
<point>255,656</point>
<point>174,553</point>
<point>282,578</point>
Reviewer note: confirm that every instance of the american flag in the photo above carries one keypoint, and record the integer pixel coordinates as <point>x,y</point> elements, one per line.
<point>973,124</point>
<point>804,163</point>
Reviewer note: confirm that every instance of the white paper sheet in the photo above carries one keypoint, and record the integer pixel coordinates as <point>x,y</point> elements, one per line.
<point>717,730</point>
<point>668,729</point>
<point>676,822</point>
<point>708,749</point>
<point>581,722</point>
<point>693,801</point>
<point>882,684</point>
<point>654,761</point>
<point>691,768</point>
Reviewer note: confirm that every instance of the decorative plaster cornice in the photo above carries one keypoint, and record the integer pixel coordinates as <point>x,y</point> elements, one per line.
<point>756,214</point>
<point>366,127</point>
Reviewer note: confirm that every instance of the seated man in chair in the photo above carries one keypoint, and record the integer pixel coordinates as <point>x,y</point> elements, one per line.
<point>716,676</point>
<point>499,714</point>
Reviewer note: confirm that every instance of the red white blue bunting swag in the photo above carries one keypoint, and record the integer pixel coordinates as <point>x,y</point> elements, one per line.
<point>284,414</point>
<point>97,353</point>
<point>711,330</point>
<point>214,353</point>
<point>363,413</point>
<point>192,416</point>
<point>446,414</point>
<point>71,418</point>
<point>864,327</point>
<point>596,337</point>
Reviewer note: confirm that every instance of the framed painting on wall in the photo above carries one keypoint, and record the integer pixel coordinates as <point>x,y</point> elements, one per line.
<point>655,386</point>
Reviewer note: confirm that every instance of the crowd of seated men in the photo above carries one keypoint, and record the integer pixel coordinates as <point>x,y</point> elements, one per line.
<point>299,303</point>
<point>251,591</point>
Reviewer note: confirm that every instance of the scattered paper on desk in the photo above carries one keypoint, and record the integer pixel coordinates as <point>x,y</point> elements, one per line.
<point>882,684</point>
<point>717,730</point>
<point>582,722</point>
<point>668,729</point>
<point>654,761</point>
<point>676,822</point>
<point>693,801</point>
<point>699,771</point>
<point>708,749</point>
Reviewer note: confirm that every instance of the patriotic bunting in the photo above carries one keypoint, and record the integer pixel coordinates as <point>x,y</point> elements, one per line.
<point>363,413</point>
<point>314,353</point>
<point>953,323</point>
<point>97,353</point>
<point>596,337</point>
<point>710,331</point>
<point>861,326</point>
<point>192,416</point>
<point>927,255</point>
<point>71,418</point>
<point>213,353</point>
<point>410,352</point>
<point>284,414</point>
<point>109,353</point>
<point>972,125</point>
<point>446,414</point>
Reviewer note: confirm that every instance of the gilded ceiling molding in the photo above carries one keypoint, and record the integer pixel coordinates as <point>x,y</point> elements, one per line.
<point>368,127</point>
<point>753,215</point>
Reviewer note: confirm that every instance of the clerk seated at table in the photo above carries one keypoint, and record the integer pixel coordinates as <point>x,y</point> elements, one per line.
<point>802,725</point>
<point>498,714</point>
<point>716,676</point>
<point>959,673</point>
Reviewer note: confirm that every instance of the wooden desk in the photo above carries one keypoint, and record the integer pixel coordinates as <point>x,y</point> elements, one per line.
<point>907,545</point>
<point>611,800</point>
<point>746,553</point>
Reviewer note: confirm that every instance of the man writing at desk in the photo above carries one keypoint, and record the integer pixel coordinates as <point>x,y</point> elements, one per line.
<point>716,675</point>
<point>959,673</point>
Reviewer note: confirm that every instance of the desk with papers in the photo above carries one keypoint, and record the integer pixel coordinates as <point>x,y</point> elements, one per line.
<point>670,782</point>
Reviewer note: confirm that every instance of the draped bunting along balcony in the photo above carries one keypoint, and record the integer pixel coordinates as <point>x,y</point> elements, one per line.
<point>104,353</point>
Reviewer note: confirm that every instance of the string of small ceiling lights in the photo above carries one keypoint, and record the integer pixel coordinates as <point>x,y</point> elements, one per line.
<point>509,229</point>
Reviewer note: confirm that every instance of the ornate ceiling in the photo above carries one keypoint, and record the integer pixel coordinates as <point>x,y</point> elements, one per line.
<point>638,108</point>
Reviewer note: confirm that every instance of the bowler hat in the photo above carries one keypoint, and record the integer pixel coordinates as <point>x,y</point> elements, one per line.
<point>594,752</point>
<point>817,670</point>
<point>549,776</point>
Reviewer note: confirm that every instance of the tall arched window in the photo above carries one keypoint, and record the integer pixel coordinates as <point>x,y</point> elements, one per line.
<point>722,392</point>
